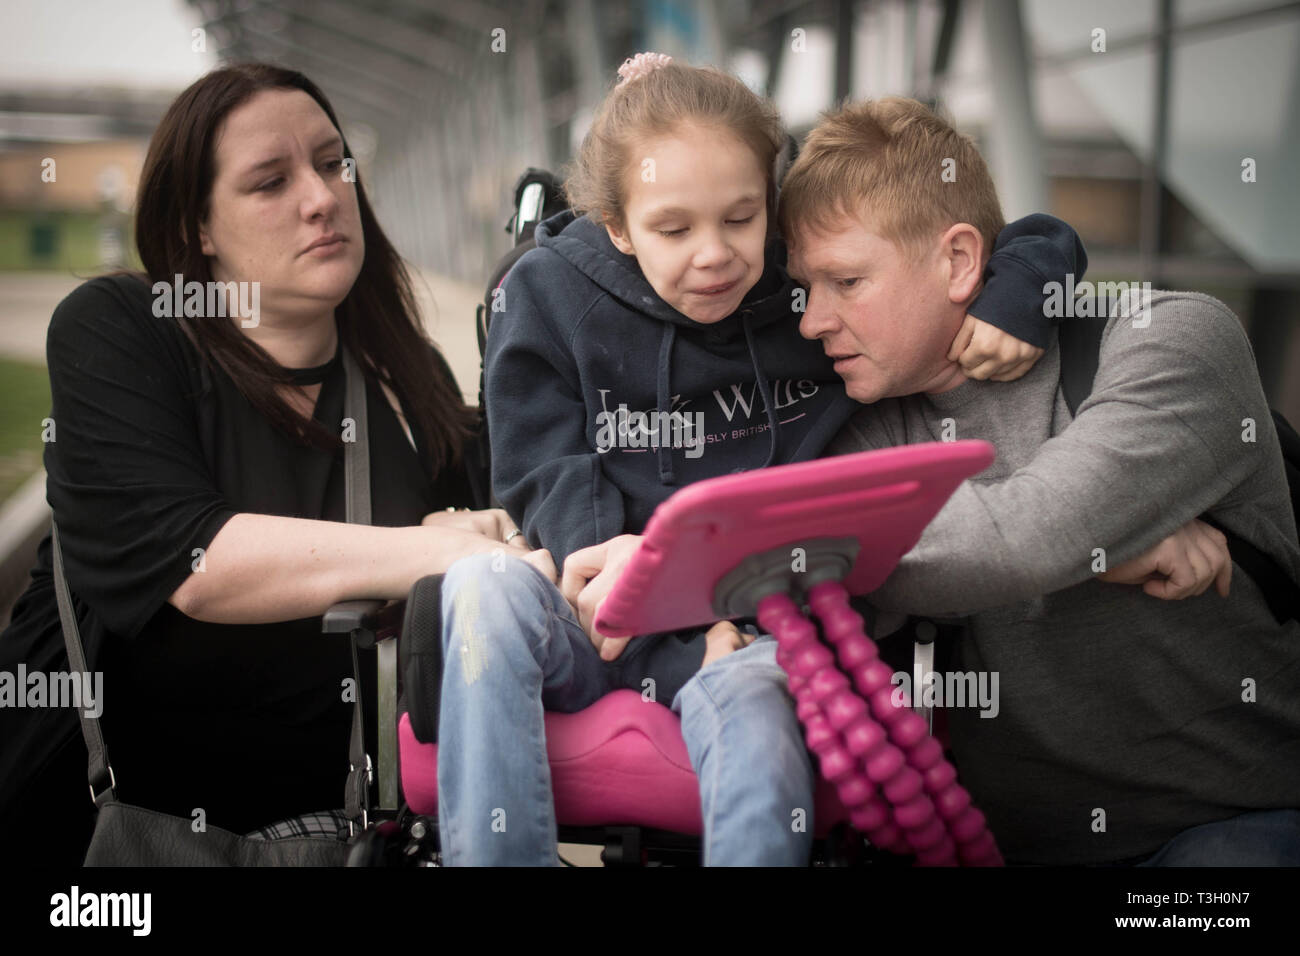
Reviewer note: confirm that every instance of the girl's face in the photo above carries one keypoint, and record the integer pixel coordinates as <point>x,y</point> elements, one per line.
<point>695,218</point>
<point>278,190</point>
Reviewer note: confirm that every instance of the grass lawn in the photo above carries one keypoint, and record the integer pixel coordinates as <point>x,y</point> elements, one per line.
<point>24,401</point>
<point>74,239</point>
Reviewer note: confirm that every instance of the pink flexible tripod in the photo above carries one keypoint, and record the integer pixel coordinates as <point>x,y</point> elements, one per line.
<point>721,549</point>
<point>889,772</point>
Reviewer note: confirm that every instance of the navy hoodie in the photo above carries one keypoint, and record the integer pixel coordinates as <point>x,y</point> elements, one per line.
<point>580,343</point>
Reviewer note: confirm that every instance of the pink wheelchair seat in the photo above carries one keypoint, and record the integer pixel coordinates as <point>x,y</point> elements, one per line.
<point>619,762</point>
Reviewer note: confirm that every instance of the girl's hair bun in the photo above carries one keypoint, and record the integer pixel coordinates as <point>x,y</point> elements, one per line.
<point>643,64</point>
<point>642,105</point>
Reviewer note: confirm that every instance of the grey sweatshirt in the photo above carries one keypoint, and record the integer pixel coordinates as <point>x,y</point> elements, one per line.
<point>1123,719</point>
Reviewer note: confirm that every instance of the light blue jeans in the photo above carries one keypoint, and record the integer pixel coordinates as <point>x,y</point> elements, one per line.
<point>512,649</point>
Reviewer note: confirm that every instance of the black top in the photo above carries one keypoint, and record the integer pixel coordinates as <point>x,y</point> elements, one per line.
<point>153,452</point>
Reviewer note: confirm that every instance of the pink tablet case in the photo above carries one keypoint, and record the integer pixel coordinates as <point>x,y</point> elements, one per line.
<point>854,517</point>
<point>883,498</point>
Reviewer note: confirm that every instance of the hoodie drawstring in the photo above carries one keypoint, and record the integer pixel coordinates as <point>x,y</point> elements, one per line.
<point>666,475</point>
<point>764,389</point>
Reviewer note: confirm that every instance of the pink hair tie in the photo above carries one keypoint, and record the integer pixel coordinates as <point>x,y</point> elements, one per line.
<point>643,64</point>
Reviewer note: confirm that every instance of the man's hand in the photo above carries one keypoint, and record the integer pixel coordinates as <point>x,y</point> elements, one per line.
<point>589,576</point>
<point>1184,564</point>
<point>986,352</point>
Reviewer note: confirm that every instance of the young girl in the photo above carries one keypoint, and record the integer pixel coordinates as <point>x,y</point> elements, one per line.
<point>648,344</point>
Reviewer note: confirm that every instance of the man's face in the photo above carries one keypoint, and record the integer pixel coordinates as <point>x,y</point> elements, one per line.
<point>695,217</point>
<point>881,311</point>
<point>278,189</point>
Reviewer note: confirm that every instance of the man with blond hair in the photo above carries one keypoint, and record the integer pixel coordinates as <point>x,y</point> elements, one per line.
<point>1129,730</point>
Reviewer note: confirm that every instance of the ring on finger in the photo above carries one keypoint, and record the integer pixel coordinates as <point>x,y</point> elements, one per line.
<point>510,535</point>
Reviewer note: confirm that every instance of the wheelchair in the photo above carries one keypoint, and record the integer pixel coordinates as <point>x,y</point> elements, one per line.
<point>621,776</point>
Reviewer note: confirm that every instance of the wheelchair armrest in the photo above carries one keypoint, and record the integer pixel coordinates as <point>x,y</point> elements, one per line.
<point>368,621</point>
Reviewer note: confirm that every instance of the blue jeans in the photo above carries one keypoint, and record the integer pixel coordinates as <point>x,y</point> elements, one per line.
<point>1258,838</point>
<point>512,649</point>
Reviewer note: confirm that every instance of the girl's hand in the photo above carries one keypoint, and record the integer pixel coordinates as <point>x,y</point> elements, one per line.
<point>492,523</point>
<point>986,352</point>
<point>723,638</point>
<point>1184,564</point>
<point>589,575</point>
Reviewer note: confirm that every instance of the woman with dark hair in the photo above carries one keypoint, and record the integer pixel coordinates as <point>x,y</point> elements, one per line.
<point>196,477</point>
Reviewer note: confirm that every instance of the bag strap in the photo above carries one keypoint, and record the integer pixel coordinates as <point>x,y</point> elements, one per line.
<point>356,454</point>
<point>103,785</point>
<point>356,469</point>
<point>1080,342</point>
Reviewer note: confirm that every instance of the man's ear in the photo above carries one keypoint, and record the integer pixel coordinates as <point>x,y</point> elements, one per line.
<point>962,248</point>
<point>619,237</point>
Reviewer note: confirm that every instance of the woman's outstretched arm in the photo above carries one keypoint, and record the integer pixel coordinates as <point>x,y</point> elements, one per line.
<point>265,568</point>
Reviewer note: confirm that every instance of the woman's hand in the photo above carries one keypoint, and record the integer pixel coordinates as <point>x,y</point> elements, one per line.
<point>986,352</point>
<point>541,559</point>
<point>1184,564</point>
<point>491,523</point>
<point>482,532</point>
<point>589,576</point>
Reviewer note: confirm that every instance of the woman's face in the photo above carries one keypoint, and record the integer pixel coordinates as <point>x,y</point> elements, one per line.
<point>279,189</point>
